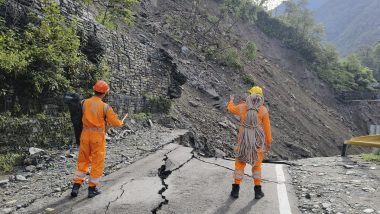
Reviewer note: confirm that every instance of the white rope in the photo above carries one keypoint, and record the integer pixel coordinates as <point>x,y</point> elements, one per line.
<point>252,137</point>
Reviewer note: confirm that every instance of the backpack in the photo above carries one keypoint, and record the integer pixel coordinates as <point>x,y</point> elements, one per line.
<point>75,104</point>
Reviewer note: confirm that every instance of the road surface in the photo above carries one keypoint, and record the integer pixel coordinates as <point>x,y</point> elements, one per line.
<point>174,180</point>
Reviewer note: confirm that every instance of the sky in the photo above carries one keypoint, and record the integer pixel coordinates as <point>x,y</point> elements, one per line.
<point>273,4</point>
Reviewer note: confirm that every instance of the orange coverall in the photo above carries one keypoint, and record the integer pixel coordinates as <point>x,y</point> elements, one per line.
<point>263,119</point>
<point>92,150</point>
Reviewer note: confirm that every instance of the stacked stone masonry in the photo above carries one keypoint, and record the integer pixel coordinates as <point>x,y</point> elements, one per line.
<point>137,66</point>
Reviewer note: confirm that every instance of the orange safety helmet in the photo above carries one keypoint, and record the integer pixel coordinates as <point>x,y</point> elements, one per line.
<point>101,87</point>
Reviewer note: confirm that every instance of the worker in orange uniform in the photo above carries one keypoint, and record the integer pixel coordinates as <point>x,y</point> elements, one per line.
<point>92,150</point>
<point>254,134</point>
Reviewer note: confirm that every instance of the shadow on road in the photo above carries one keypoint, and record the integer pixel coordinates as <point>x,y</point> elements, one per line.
<point>61,205</point>
<point>247,208</point>
<point>230,201</point>
<point>226,206</point>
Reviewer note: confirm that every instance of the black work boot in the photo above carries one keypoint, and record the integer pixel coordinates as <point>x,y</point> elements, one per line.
<point>258,193</point>
<point>93,191</point>
<point>75,190</point>
<point>235,190</point>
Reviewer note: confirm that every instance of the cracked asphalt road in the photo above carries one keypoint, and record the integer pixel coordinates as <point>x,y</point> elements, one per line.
<point>175,180</point>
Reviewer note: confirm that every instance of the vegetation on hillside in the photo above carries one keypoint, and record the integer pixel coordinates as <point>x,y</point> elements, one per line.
<point>213,34</point>
<point>371,157</point>
<point>297,29</point>
<point>9,160</point>
<point>370,57</point>
<point>43,59</point>
<point>114,14</point>
<point>42,55</point>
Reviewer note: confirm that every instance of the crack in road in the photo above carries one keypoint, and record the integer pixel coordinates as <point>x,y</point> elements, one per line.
<point>118,197</point>
<point>164,174</point>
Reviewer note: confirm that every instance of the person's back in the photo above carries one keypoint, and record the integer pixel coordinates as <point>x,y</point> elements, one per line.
<point>96,113</point>
<point>262,115</point>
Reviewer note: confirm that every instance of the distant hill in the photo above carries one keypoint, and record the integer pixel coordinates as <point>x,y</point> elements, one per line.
<point>349,24</point>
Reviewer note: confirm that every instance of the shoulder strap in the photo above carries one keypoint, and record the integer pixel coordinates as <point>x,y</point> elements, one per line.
<point>82,103</point>
<point>265,111</point>
<point>106,107</point>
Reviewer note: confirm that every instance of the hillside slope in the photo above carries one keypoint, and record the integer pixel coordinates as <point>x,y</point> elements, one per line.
<point>303,125</point>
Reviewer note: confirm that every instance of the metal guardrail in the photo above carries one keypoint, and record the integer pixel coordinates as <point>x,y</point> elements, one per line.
<point>372,140</point>
<point>359,95</point>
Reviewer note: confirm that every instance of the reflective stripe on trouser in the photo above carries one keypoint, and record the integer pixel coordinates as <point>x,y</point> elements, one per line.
<point>91,151</point>
<point>92,182</point>
<point>256,170</point>
<point>94,129</point>
<point>256,174</point>
<point>79,177</point>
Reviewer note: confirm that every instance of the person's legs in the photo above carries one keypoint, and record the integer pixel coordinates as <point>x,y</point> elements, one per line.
<point>83,163</point>
<point>98,154</point>
<point>238,177</point>
<point>256,173</point>
<point>239,171</point>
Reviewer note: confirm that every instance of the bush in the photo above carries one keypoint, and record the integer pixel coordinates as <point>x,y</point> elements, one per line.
<point>250,51</point>
<point>115,13</point>
<point>371,157</point>
<point>157,104</point>
<point>9,160</point>
<point>232,59</point>
<point>142,116</point>
<point>244,9</point>
<point>249,80</point>
<point>41,130</point>
<point>227,57</point>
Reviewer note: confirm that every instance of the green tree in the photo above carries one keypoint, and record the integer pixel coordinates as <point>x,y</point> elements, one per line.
<point>370,57</point>
<point>302,19</point>
<point>244,9</point>
<point>362,75</point>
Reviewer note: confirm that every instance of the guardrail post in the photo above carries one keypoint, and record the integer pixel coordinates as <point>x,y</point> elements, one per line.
<point>344,150</point>
<point>376,130</point>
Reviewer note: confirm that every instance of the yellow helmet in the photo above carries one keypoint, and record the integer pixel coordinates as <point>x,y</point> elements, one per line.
<point>256,90</point>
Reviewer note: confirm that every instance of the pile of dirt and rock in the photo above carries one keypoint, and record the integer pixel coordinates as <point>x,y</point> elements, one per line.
<point>336,185</point>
